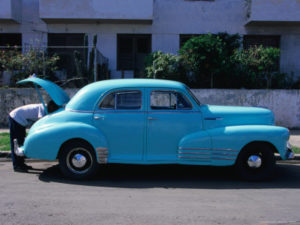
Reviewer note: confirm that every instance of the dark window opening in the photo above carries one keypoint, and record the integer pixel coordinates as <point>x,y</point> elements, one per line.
<point>185,37</point>
<point>264,40</point>
<point>67,47</point>
<point>11,40</point>
<point>132,50</point>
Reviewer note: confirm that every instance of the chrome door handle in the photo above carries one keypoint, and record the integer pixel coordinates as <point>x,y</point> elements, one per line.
<point>98,117</point>
<point>152,118</point>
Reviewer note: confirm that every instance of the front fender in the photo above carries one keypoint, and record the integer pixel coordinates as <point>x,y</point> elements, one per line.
<point>45,143</point>
<point>237,137</point>
<point>221,146</point>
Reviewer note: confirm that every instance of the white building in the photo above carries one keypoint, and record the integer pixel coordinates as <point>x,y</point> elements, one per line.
<point>127,30</point>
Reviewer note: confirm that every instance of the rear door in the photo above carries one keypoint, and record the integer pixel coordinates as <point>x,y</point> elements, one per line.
<point>120,116</point>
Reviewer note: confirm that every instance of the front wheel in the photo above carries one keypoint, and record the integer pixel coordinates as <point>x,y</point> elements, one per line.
<point>78,160</point>
<point>256,162</point>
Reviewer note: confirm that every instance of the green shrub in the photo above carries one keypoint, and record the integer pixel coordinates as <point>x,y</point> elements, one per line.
<point>217,61</point>
<point>258,66</point>
<point>21,65</point>
<point>164,66</point>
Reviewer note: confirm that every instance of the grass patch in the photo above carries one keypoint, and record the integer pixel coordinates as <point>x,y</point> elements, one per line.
<point>4,142</point>
<point>296,149</point>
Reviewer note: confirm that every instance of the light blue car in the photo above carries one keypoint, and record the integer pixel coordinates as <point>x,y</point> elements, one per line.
<point>147,121</point>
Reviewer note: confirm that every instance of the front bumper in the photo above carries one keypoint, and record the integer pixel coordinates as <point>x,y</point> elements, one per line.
<point>289,154</point>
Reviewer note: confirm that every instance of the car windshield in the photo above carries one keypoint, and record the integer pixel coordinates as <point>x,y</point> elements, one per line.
<point>193,96</point>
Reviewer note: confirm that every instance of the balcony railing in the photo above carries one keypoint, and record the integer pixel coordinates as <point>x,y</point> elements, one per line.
<point>10,10</point>
<point>274,11</point>
<point>109,11</point>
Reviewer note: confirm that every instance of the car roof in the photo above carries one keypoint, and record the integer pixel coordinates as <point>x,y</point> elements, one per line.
<point>124,83</point>
<point>87,97</point>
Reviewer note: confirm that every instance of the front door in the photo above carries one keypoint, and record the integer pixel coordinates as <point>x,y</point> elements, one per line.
<point>170,117</point>
<point>121,118</point>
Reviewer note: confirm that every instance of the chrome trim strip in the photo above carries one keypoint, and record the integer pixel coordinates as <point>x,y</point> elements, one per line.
<point>194,153</point>
<point>79,111</point>
<point>173,111</point>
<point>213,118</point>
<point>102,155</point>
<point>214,158</point>
<point>130,111</point>
<point>120,111</point>
<point>206,153</point>
<point>208,149</point>
<point>187,157</point>
<point>222,158</point>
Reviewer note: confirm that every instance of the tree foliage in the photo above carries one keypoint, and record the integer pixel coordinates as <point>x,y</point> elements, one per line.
<point>204,57</point>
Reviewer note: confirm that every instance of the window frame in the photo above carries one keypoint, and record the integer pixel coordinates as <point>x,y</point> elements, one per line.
<point>115,92</point>
<point>176,93</point>
<point>134,39</point>
<point>248,40</point>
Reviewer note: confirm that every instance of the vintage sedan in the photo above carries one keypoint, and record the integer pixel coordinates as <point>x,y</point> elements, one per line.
<point>148,121</point>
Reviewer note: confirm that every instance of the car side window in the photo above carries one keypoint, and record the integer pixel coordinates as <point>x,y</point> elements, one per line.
<point>169,100</point>
<point>122,100</point>
<point>108,102</point>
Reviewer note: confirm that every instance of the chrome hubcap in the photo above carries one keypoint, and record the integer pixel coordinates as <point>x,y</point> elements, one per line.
<point>79,160</point>
<point>254,161</point>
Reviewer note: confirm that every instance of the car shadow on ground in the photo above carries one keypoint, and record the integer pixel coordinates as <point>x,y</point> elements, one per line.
<point>176,176</point>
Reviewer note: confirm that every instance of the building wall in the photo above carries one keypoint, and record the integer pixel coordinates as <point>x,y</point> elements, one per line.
<point>99,9</point>
<point>170,19</point>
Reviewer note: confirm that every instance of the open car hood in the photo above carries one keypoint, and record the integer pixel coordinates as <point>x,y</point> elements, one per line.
<point>57,94</point>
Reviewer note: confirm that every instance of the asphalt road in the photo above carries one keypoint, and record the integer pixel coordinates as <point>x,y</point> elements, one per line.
<point>123,194</point>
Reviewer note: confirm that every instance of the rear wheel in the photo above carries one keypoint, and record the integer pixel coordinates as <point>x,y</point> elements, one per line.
<point>256,162</point>
<point>78,160</point>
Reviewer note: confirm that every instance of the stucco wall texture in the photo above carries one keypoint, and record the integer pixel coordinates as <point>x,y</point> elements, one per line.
<point>285,104</point>
<point>167,20</point>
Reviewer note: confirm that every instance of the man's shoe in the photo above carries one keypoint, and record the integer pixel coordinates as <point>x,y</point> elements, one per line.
<point>20,169</point>
<point>26,167</point>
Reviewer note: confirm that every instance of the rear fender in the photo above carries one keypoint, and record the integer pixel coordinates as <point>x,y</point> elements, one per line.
<point>46,142</point>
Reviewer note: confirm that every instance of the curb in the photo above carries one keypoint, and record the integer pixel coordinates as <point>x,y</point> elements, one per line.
<point>5,154</point>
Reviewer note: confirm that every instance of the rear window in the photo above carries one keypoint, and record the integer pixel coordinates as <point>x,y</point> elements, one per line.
<point>122,100</point>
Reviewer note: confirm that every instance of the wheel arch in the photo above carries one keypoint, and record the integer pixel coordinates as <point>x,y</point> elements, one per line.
<point>256,143</point>
<point>72,140</point>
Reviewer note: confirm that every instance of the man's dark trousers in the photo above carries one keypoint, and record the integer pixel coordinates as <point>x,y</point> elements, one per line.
<point>18,132</point>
